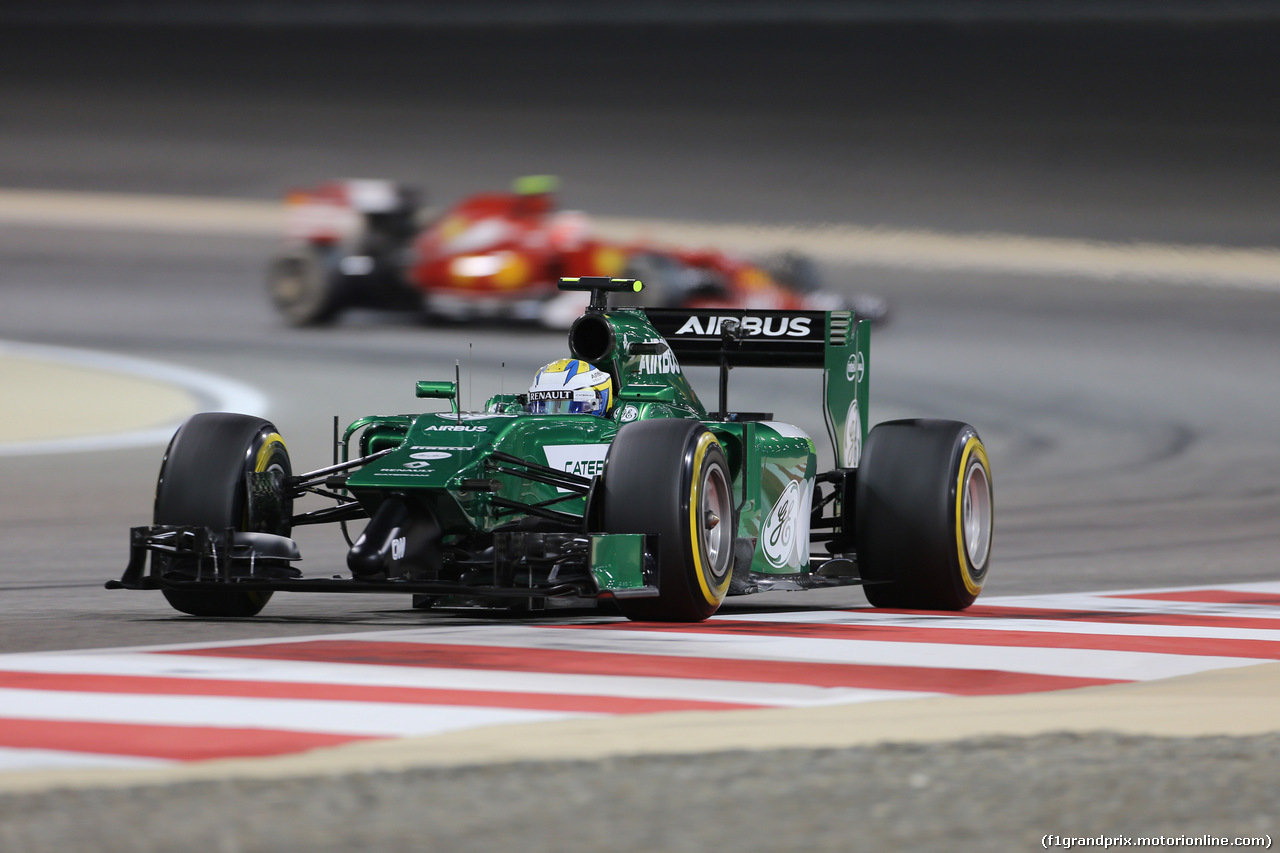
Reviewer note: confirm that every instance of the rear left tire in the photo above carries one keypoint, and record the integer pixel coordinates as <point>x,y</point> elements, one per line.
<point>305,285</point>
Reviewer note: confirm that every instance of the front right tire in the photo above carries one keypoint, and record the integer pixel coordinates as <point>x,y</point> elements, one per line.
<point>204,482</point>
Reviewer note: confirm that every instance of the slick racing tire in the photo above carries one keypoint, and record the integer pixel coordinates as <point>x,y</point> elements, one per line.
<point>305,285</point>
<point>203,481</point>
<point>670,477</point>
<point>923,505</point>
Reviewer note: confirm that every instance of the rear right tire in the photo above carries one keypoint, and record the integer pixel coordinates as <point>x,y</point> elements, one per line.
<point>924,515</point>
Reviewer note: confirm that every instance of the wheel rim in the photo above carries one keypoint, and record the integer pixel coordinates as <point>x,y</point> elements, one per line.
<point>714,520</point>
<point>975,515</point>
<point>288,285</point>
<point>297,287</point>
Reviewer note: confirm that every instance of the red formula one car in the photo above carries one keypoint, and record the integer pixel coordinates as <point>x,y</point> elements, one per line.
<point>364,243</point>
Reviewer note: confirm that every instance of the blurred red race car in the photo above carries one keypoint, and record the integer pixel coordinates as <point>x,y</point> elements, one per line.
<point>364,243</point>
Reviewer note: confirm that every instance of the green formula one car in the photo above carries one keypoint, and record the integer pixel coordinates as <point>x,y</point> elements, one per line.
<point>607,480</point>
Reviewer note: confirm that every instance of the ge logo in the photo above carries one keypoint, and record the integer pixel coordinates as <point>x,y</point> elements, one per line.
<point>778,533</point>
<point>852,436</point>
<point>628,414</point>
<point>854,368</point>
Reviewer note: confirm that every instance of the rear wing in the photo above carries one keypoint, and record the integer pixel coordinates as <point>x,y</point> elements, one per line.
<point>834,341</point>
<point>762,338</point>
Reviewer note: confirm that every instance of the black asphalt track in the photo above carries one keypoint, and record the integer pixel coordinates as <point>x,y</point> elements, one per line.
<point>1132,426</point>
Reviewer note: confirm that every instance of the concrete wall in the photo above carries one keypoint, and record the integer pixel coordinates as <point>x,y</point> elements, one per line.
<point>553,12</point>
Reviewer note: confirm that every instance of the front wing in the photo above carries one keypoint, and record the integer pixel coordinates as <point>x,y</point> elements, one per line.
<point>525,565</point>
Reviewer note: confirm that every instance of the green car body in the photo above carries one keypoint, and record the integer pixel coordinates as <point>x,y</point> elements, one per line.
<point>773,463</point>
<point>506,507</point>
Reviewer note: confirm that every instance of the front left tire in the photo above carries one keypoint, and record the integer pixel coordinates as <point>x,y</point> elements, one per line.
<point>670,477</point>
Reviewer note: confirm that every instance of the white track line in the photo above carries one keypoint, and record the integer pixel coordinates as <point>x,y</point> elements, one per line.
<point>935,251</point>
<point>898,248</point>
<point>216,393</point>
<point>146,213</point>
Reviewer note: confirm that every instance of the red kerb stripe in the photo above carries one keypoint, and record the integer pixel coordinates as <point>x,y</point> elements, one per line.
<point>177,743</point>
<point>160,685</point>
<point>1207,596</point>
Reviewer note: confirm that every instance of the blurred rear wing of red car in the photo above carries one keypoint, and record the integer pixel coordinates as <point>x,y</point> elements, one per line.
<point>834,341</point>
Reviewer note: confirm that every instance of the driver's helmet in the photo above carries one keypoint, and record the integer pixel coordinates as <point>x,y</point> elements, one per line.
<point>536,194</point>
<point>570,386</point>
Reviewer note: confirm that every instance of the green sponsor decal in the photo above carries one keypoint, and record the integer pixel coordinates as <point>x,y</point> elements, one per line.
<point>617,560</point>
<point>846,377</point>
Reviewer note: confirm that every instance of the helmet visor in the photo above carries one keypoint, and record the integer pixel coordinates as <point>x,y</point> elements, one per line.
<point>565,402</point>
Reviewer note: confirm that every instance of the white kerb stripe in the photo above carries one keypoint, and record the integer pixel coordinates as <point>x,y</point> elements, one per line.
<point>1073,663</point>
<point>1030,626</point>
<point>12,759</point>
<point>372,719</point>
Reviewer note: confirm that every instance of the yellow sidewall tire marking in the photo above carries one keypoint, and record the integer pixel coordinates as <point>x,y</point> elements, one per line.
<point>260,464</point>
<point>264,452</point>
<point>712,595</point>
<point>973,447</point>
